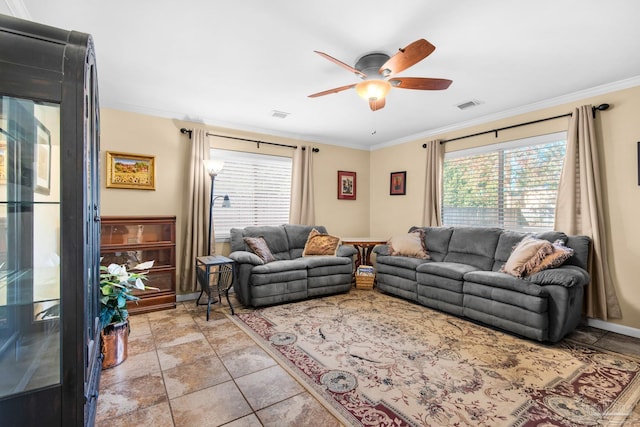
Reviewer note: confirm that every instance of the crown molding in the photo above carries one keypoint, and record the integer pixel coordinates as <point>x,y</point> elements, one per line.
<point>536,106</point>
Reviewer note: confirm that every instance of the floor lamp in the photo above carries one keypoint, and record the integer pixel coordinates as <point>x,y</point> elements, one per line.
<point>214,167</point>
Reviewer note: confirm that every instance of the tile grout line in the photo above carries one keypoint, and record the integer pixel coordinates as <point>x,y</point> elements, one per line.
<point>164,383</point>
<point>253,411</point>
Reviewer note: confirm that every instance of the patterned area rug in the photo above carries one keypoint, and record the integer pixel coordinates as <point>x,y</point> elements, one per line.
<point>381,361</point>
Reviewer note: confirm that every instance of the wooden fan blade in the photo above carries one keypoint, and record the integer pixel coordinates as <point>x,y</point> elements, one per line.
<point>410,55</point>
<point>334,90</point>
<point>377,104</point>
<point>420,83</point>
<point>342,64</point>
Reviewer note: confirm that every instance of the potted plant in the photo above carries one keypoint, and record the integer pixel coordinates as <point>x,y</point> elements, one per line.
<point>116,285</point>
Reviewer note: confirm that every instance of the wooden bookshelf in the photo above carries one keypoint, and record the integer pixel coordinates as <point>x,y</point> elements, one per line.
<point>130,240</point>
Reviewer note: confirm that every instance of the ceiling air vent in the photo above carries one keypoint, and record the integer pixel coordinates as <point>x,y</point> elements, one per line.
<point>279,114</point>
<point>468,104</point>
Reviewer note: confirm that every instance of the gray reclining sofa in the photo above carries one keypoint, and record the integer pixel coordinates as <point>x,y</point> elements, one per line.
<point>291,276</point>
<point>463,278</point>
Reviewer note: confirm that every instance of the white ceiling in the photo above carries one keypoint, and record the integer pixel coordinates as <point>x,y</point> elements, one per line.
<point>231,63</point>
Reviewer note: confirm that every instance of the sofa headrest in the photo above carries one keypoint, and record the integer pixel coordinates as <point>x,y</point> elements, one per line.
<point>274,235</point>
<point>285,241</point>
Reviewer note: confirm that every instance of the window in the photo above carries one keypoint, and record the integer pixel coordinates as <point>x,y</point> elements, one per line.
<point>259,189</point>
<point>512,185</point>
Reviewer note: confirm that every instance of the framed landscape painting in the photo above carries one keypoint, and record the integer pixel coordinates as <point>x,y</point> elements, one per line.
<point>346,185</point>
<point>133,171</point>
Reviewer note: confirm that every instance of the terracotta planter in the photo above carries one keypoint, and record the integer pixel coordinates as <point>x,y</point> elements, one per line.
<point>114,340</point>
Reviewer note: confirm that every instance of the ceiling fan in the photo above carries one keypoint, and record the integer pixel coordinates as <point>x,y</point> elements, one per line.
<point>378,70</point>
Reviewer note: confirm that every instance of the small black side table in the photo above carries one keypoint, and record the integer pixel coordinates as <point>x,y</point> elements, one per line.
<point>215,271</point>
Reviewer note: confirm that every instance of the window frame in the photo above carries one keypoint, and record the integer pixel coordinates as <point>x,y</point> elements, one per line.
<point>496,148</point>
<point>254,193</point>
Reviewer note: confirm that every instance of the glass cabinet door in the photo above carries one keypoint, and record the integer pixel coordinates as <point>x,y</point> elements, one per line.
<point>30,305</point>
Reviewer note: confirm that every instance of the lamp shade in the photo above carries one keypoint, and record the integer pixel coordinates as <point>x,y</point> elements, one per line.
<point>373,90</point>
<point>213,167</point>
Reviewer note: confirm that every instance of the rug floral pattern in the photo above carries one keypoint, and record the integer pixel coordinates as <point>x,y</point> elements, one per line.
<point>382,361</point>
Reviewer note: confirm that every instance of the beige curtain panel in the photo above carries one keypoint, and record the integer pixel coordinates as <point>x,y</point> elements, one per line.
<point>579,210</point>
<point>196,200</point>
<point>432,214</point>
<point>302,209</point>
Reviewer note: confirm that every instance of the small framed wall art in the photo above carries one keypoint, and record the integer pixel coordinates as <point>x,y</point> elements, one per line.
<point>398,184</point>
<point>346,185</point>
<point>133,171</point>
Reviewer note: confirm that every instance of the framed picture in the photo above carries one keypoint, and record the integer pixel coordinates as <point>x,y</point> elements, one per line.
<point>133,171</point>
<point>43,159</point>
<point>398,184</point>
<point>346,185</point>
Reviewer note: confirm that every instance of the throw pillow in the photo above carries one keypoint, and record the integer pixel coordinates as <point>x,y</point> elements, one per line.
<point>526,255</point>
<point>320,244</point>
<point>560,254</point>
<point>409,245</point>
<point>259,247</point>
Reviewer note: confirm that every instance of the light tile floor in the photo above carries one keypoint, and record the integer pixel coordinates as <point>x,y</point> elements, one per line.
<point>185,371</point>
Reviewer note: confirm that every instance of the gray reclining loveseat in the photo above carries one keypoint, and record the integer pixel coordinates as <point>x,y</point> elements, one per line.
<point>291,276</point>
<point>463,278</point>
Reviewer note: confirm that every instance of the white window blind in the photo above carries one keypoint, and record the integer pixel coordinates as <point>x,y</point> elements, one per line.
<point>511,185</point>
<point>259,189</point>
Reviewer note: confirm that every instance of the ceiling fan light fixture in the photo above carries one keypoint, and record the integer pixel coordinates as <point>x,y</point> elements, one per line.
<point>373,90</point>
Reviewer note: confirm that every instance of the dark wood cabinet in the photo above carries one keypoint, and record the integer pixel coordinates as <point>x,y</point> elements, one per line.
<point>131,240</point>
<point>49,226</point>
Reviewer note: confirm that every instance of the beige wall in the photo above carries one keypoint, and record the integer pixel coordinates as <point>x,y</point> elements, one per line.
<point>619,129</point>
<point>141,134</point>
<point>375,212</point>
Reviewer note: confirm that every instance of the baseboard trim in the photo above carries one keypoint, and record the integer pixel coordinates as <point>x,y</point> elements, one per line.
<point>614,327</point>
<point>187,297</point>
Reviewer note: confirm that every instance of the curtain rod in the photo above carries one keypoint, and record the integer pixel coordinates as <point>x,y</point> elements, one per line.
<point>601,107</point>
<point>190,131</point>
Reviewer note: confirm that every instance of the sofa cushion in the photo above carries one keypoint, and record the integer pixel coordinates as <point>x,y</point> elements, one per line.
<point>245,257</point>
<point>504,281</point>
<point>565,275</point>
<point>275,236</point>
<point>237,240</point>
<point>526,255</point>
<point>259,247</point>
<point>451,270</point>
<point>404,266</point>
<point>320,244</point>
<point>278,271</point>
<point>580,246</point>
<point>325,261</point>
<point>552,236</point>
<point>535,303</point>
<point>409,245</point>
<point>474,246</point>
<point>507,241</point>
<point>297,237</point>
<point>436,240</point>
